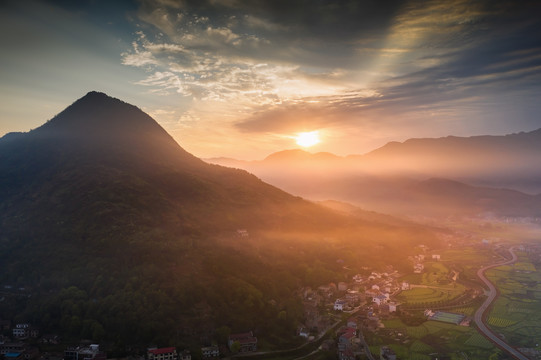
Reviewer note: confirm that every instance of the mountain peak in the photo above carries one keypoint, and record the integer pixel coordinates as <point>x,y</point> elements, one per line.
<point>292,154</point>
<point>106,124</point>
<point>97,113</point>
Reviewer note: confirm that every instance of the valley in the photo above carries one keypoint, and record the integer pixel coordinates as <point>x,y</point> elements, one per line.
<point>113,234</point>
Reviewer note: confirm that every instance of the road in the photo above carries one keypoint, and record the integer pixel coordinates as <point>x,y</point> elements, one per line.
<point>365,345</point>
<point>480,313</point>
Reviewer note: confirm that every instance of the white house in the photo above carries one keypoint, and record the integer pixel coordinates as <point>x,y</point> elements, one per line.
<point>379,299</point>
<point>339,304</point>
<point>210,352</point>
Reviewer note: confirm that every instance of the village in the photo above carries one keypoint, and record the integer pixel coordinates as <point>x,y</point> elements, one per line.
<point>344,309</point>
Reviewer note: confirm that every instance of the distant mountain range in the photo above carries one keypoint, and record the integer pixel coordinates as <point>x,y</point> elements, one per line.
<point>120,234</point>
<point>436,177</point>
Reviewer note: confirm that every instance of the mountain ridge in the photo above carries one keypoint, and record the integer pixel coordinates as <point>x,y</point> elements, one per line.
<point>489,170</point>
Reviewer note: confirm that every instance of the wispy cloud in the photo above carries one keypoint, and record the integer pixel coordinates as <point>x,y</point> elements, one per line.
<point>343,64</point>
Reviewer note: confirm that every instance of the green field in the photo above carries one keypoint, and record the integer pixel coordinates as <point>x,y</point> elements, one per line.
<point>433,337</point>
<point>434,294</point>
<point>517,312</point>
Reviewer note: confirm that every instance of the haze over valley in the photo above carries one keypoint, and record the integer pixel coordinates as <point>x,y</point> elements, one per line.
<point>481,176</point>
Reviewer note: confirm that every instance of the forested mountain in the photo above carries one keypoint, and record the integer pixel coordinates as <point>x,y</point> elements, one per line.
<point>118,234</point>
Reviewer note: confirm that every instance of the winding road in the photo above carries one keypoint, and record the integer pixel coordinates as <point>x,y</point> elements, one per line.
<point>479,314</point>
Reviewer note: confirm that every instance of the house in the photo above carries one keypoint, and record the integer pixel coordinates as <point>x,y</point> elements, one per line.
<point>50,339</point>
<point>386,353</point>
<point>210,352</point>
<point>326,290</point>
<point>91,352</point>
<point>392,306</point>
<point>352,323</point>
<point>358,278</point>
<point>8,347</point>
<point>371,293</point>
<point>352,296</point>
<point>167,353</point>
<point>339,304</point>
<point>347,338</point>
<point>342,286</point>
<point>33,332</point>
<point>304,332</point>
<point>405,285</point>
<point>345,343</point>
<point>436,257</point>
<point>21,331</point>
<point>379,299</point>
<point>246,341</point>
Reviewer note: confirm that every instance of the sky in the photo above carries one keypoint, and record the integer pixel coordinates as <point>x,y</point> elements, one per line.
<point>242,78</point>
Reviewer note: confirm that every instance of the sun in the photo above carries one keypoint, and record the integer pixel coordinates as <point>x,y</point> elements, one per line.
<point>307,139</point>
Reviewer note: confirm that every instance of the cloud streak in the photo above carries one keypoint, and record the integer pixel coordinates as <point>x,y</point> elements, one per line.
<point>280,67</point>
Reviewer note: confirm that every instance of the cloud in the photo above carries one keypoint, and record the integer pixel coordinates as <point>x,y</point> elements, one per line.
<point>279,67</point>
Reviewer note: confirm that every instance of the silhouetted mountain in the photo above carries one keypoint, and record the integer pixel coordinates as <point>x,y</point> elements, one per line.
<point>120,234</point>
<point>498,161</point>
<point>100,141</point>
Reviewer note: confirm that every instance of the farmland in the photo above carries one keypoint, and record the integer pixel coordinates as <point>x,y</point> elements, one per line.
<point>516,314</point>
<point>416,342</point>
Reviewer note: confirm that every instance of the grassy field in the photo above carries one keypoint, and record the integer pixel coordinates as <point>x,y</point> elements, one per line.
<point>417,342</point>
<point>517,312</point>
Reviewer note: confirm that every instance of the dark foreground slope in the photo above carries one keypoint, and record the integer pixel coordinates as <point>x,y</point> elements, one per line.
<point>118,233</point>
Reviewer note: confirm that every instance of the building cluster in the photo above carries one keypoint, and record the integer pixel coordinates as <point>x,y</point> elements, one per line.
<point>167,353</point>
<point>237,343</point>
<point>418,260</point>
<point>418,265</point>
<point>17,346</point>
<point>91,352</point>
<point>349,344</point>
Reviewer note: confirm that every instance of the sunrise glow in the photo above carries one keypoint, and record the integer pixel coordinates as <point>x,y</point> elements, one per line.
<point>307,139</point>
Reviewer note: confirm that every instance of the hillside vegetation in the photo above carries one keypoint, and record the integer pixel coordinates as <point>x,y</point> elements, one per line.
<point>116,233</point>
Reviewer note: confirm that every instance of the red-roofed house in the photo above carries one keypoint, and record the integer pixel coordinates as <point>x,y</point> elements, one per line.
<point>247,341</point>
<point>168,353</point>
